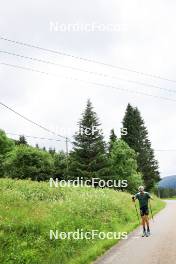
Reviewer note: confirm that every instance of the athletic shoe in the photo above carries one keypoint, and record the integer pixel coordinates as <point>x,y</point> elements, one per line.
<point>148,232</point>
<point>144,234</point>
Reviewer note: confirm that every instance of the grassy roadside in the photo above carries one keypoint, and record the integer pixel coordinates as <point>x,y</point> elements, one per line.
<point>29,210</point>
<point>170,198</point>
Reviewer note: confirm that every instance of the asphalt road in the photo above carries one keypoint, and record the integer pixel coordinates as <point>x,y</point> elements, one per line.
<point>159,248</point>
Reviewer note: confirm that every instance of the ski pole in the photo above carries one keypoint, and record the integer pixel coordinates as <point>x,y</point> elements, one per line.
<point>137,212</point>
<point>151,210</point>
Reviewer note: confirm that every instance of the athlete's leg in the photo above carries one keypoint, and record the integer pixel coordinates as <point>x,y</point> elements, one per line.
<point>143,222</point>
<point>147,222</point>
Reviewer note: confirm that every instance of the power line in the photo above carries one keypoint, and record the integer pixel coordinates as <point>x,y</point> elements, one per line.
<point>86,71</point>
<point>35,137</point>
<point>87,59</point>
<point>88,82</point>
<point>32,122</point>
<point>42,127</point>
<point>52,139</point>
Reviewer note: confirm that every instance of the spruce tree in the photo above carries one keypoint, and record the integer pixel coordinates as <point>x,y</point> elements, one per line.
<point>112,139</point>
<point>88,158</point>
<point>137,139</point>
<point>21,141</point>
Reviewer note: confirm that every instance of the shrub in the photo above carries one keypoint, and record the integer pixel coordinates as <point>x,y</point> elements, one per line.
<point>25,162</point>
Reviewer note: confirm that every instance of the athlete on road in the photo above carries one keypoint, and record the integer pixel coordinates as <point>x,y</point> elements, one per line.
<point>143,198</point>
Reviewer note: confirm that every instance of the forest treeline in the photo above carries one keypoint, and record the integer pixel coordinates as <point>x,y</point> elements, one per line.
<point>129,157</point>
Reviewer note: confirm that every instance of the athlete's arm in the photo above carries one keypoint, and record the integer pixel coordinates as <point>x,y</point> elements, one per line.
<point>134,197</point>
<point>150,197</point>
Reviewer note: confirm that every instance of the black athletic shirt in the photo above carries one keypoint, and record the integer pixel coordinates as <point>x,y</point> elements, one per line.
<point>143,198</point>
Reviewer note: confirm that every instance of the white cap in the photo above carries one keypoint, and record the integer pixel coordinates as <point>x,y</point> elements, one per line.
<point>141,188</point>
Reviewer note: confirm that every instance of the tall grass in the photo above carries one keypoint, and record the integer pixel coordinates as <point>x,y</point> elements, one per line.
<point>29,210</point>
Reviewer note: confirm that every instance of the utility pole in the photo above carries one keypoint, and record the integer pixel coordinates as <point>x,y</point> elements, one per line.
<point>66,146</point>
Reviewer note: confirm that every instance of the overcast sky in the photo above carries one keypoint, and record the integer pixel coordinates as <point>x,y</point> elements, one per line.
<point>143,39</point>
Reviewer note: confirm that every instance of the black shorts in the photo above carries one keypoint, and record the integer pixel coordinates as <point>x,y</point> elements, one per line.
<point>144,211</point>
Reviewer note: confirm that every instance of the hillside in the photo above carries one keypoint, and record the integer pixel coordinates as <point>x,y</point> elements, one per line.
<point>168,182</point>
<point>29,210</point>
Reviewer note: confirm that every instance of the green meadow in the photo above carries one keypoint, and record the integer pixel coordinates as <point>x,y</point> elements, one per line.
<point>29,210</point>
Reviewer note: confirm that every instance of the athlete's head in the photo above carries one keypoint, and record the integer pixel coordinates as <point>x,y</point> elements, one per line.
<point>141,188</point>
